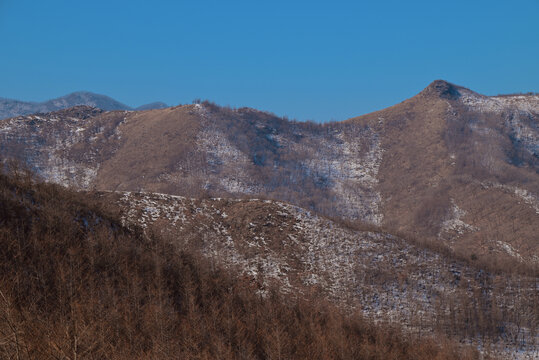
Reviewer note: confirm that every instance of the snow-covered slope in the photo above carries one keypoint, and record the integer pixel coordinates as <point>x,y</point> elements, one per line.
<point>384,276</point>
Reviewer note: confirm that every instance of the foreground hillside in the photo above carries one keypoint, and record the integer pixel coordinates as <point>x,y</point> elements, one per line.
<point>449,165</point>
<point>76,284</point>
<point>357,268</point>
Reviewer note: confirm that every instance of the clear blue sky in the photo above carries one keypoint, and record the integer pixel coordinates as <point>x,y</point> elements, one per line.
<point>313,59</point>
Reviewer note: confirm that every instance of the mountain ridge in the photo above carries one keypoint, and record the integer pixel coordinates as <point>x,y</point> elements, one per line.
<point>12,107</point>
<point>429,166</point>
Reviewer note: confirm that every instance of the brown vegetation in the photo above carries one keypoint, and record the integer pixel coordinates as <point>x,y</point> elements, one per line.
<point>421,284</point>
<point>441,153</point>
<point>435,153</point>
<point>75,284</point>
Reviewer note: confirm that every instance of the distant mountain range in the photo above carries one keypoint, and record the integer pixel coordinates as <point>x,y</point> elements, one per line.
<point>11,108</point>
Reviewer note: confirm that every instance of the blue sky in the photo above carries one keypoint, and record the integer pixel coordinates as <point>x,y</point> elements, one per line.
<point>318,60</point>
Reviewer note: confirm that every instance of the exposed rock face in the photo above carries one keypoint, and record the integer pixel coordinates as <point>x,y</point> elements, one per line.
<point>443,165</point>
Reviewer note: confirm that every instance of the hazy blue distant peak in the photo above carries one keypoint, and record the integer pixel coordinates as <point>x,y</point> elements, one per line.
<point>86,98</point>
<point>11,107</point>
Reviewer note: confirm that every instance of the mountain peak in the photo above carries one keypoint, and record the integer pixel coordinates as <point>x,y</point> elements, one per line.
<point>86,98</point>
<point>443,89</point>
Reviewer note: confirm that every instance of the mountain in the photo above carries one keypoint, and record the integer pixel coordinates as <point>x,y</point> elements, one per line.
<point>447,166</point>
<point>425,213</point>
<point>11,108</point>
<point>152,106</point>
<point>77,284</point>
<point>388,278</point>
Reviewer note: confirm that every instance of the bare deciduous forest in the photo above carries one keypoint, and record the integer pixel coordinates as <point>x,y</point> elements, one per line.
<point>75,284</point>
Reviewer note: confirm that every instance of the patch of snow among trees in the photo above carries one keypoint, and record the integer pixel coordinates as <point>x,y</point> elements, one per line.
<point>454,223</point>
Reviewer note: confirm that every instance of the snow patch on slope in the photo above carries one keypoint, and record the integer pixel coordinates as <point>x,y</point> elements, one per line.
<point>348,164</point>
<point>519,113</point>
<point>529,198</point>
<point>497,104</point>
<point>454,224</point>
